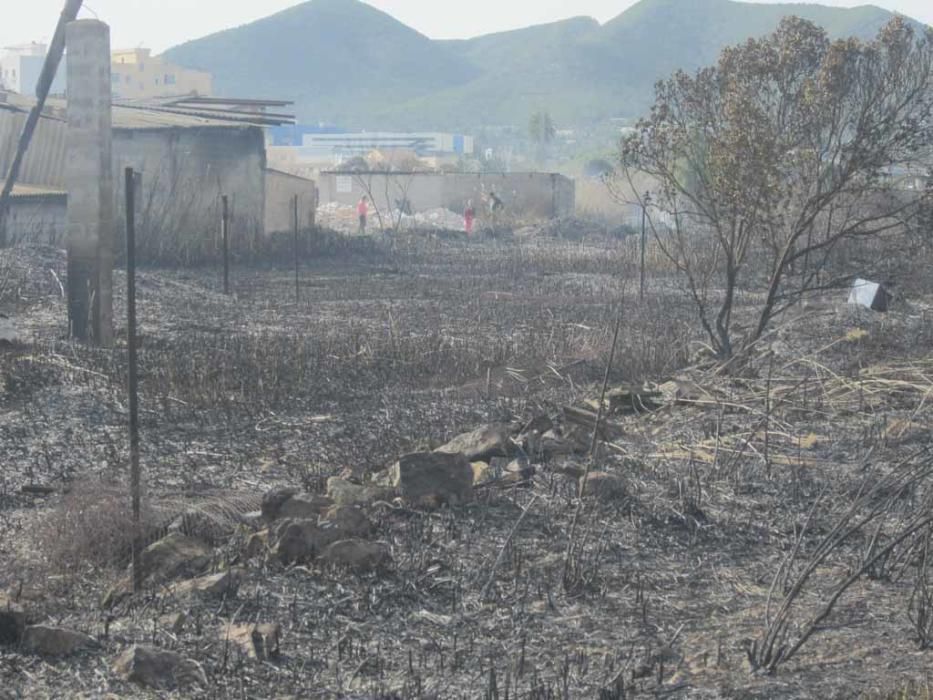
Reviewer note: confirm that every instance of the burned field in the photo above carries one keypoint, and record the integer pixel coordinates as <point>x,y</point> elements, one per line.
<point>722,514</point>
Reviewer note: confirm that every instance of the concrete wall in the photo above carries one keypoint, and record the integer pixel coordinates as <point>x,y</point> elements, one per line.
<point>38,220</point>
<point>281,189</point>
<point>527,195</point>
<point>184,173</point>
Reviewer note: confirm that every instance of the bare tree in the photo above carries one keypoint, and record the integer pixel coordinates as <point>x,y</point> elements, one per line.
<point>779,154</point>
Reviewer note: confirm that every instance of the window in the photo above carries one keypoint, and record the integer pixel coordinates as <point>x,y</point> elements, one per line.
<point>115,79</point>
<point>142,67</point>
<point>169,79</point>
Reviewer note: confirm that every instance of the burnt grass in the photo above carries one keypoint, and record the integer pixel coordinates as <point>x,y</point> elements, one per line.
<point>395,347</point>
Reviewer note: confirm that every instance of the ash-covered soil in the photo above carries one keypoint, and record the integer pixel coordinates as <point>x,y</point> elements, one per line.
<point>656,588</point>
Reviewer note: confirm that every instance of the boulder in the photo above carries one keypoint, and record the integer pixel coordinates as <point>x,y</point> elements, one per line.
<point>273,501</point>
<point>358,555</point>
<point>259,642</point>
<point>173,557</point>
<point>345,493</point>
<point>482,444</point>
<point>216,586</point>
<point>12,621</point>
<point>296,541</point>
<point>159,669</point>
<point>431,479</point>
<point>603,486</point>
<point>342,523</point>
<point>56,641</point>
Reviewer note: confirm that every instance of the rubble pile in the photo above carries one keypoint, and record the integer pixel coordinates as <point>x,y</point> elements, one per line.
<point>343,219</point>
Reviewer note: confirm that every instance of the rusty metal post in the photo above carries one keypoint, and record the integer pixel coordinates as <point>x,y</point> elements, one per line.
<point>225,232</point>
<point>135,480</point>
<point>297,264</point>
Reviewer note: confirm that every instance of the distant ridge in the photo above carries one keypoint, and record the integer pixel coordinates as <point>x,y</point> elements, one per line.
<point>346,62</point>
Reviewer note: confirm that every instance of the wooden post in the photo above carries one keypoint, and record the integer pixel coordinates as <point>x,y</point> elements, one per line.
<point>49,69</point>
<point>225,232</point>
<point>297,270</point>
<point>133,373</point>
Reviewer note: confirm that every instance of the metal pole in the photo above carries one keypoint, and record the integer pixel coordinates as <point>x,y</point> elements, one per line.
<point>644,245</point>
<point>49,69</point>
<point>297,272</point>
<point>225,232</point>
<point>133,376</point>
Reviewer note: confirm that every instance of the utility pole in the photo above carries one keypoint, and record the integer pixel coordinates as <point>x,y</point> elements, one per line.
<point>49,69</point>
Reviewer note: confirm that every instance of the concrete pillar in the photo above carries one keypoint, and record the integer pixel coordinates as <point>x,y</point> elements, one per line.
<point>89,180</point>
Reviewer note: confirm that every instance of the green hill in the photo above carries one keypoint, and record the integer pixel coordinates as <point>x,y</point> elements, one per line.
<point>345,62</point>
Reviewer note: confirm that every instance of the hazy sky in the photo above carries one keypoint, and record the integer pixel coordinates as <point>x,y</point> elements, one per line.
<point>159,24</point>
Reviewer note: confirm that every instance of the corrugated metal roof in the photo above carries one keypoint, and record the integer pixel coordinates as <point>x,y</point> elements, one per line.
<point>21,191</point>
<point>45,159</point>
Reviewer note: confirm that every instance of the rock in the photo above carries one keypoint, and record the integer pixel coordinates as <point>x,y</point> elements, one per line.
<point>12,621</point>
<point>159,669</point>
<point>358,555</point>
<point>482,473</point>
<point>343,523</point>
<point>603,486</point>
<point>257,545</point>
<point>482,444</point>
<point>56,641</point>
<point>173,557</point>
<point>431,479</point>
<point>551,445</point>
<point>344,493</point>
<point>216,586</point>
<point>273,501</point>
<point>296,541</point>
<point>259,642</point>
<point>9,333</point>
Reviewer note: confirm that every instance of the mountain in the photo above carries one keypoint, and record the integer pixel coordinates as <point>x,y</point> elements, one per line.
<point>345,62</point>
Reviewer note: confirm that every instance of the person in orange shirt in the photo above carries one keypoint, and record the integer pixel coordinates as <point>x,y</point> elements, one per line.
<point>469,216</point>
<point>363,210</point>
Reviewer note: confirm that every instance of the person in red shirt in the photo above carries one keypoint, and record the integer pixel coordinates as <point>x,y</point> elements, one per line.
<point>363,210</point>
<point>469,216</point>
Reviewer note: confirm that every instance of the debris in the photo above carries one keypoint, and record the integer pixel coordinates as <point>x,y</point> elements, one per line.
<point>431,479</point>
<point>482,444</point>
<point>358,555</point>
<point>159,669</point>
<point>9,334</point>
<point>56,641</point>
<point>869,295</point>
<point>304,506</point>
<point>174,622</point>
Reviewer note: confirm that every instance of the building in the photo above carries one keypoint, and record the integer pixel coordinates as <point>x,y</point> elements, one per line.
<point>20,67</point>
<point>187,161</point>
<point>137,74</point>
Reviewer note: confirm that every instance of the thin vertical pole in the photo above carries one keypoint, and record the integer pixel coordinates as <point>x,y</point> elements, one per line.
<point>644,245</point>
<point>225,233</point>
<point>133,376</point>
<point>297,271</point>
